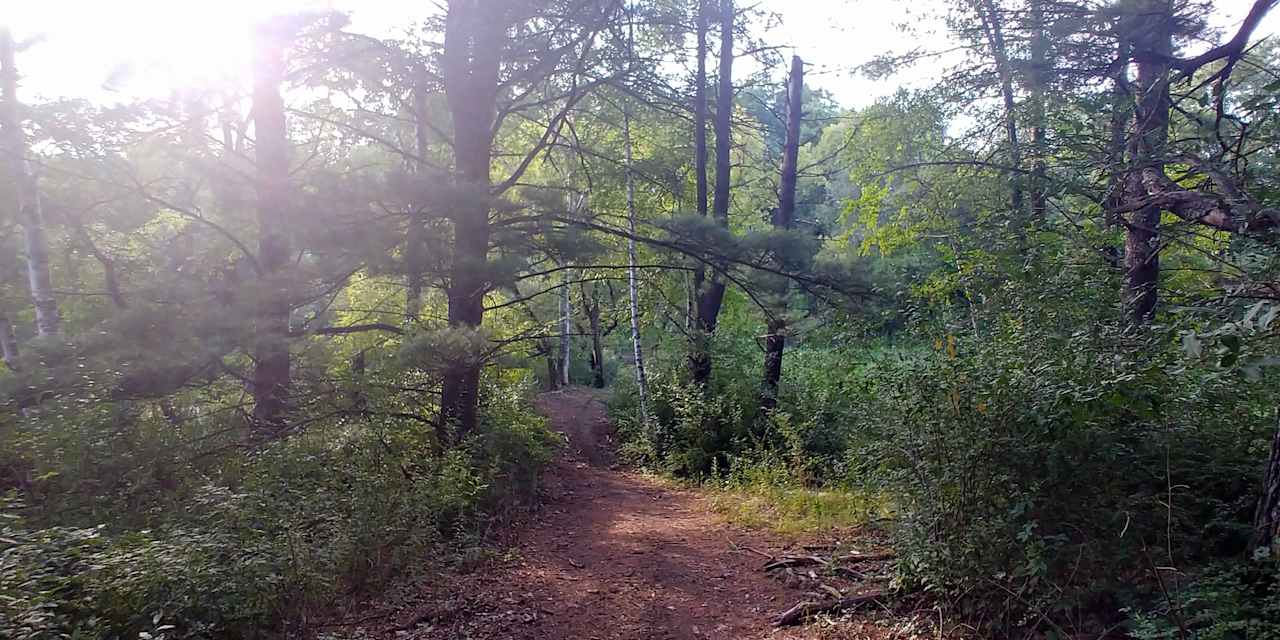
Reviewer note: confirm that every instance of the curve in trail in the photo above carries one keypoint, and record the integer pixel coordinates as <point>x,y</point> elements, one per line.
<point>616,556</point>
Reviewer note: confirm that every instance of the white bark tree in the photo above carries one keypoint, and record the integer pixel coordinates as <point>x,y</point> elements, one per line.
<point>14,149</point>
<point>566,326</point>
<point>642,382</point>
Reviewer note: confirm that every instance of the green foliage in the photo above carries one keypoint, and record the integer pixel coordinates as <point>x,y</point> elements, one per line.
<point>1084,462</point>
<point>254,543</point>
<point>953,363</point>
<point>1223,602</point>
<point>691,432</point>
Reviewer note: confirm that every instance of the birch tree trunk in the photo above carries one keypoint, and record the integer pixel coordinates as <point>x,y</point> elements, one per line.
<point>566,326</point>
<point>271,154</point>
<point>633,282</point>
<point>14,149</point>
<point>776,339</point>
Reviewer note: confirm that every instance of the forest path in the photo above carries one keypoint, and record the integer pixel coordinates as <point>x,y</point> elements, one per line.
<point>614,555</point>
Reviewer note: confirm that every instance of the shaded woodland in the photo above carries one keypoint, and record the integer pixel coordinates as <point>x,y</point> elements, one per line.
<point>268,344</point>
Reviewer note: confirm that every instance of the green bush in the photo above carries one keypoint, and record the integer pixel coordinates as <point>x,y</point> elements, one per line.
<point>1040,476</point>
<point>1224,602</point>
<point>245,545</point>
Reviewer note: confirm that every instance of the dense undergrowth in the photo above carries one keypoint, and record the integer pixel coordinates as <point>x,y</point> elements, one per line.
<point>1052,470</point>
<point>120,524</point>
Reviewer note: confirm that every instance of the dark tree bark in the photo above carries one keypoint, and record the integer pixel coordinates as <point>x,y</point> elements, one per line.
<point>591,306</point>
<point>13,147</point>
<point>1039,78</point>
<point>1146,188</point>
<point>700,159</point>
<point>109,278</point>
<point>553,366</point>
<point>775,342</point>
<point>1266,518</point>
<point>271,376</point>
<point>473,44</point>
<point>1152,38</point>
<point>992,26</point>
<point>711,293</point>
<point>415,236</point>
<point>1121,114</point>
<point>700,112</point>
<point>359,366</point>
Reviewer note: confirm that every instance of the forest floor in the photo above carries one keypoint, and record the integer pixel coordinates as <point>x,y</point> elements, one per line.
<point>610,555</point>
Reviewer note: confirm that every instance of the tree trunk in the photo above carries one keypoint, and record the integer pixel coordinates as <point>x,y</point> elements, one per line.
<point>109,278</point>
<point>553,366</point>
<point>633,276</point>
<point>776,339</point>
<point>415,235</point>
<point>992,26</point>
<point>8,344</point>
<point>1266,518</point>
<point>592,308</point>
<point>359,366</point>
<point>1121,106</point>
<point>271,154</point>
<point>1039,75</point>
<point>700,112</point>
<point>470,65</point>
<point>699,158</point>
<point>711,293</point>
<point>14,147</point>
<point>566,327</point>
<point>1153,48</point>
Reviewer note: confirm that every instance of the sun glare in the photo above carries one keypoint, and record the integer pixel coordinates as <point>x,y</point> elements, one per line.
<point>98,49</point>
<point>89,48</point>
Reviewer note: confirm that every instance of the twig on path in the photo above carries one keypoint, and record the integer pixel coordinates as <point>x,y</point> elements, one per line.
<point>758,552</point>
<point>805,610</point>
<point>795,561</point>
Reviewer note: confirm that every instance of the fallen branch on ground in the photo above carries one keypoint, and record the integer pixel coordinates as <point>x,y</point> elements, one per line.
<point>795,561</point>
<point>805,610</point>
<point>867,557</point>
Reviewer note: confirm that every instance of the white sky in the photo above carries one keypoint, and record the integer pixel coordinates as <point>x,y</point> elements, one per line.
<point>173,43</point>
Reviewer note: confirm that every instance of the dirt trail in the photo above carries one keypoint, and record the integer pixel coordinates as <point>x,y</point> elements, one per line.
<point>612,555</point>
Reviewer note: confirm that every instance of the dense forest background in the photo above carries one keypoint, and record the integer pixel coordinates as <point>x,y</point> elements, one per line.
<point>266,343</point>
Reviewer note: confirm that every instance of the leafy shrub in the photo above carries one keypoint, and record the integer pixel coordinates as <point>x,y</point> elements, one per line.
<point>1225,602</point>
<point>692,433</point>
<point>1038,473</point>
<point>249,544</point>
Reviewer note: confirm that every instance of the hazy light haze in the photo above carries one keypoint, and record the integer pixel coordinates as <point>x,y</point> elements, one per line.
<point>148,47</point>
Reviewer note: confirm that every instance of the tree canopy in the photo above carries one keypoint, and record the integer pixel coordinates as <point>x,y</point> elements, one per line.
<point>267,338</point>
